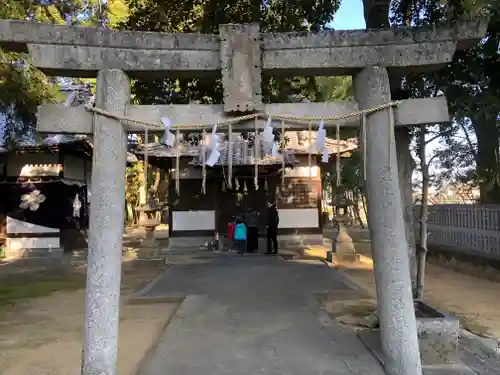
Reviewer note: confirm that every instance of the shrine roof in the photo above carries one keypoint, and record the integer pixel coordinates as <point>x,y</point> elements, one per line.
<point>56,143</point>
<point>76,144</point>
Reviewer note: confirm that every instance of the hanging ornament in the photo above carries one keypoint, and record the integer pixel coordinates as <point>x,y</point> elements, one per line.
<point>214,138</point>
<point>237,184</point>
<point>337,159</point>
<point>257,153</point>
<point>283,153</point>
<point>267,134</point>
<point>213,158</point>
<point>214,143</point>
<point>245,189</point>
<point>77,205</point>
<point>178,162</point>
<point>309,154</point>
<point>168,136</point>
<point>204,166</point>
<point>230,155</point>
<point>325,156</point>
<point>274,150</point>
<point>321,136</point>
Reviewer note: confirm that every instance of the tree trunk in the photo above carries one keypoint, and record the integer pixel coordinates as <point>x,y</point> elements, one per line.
<point>422,248</point>
<point>405,170</point>
<point>363,202</point>
<point>488,159</point>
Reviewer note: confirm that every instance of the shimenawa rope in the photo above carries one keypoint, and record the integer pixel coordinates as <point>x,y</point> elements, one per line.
<point>234,120</point>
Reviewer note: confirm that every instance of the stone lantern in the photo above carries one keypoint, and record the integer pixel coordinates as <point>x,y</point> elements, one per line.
<point>342,246</point>
<point>148,220</point>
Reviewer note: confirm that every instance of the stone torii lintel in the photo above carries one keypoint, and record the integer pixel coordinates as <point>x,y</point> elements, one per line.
<point>82,52</point>
<point>78,120</point>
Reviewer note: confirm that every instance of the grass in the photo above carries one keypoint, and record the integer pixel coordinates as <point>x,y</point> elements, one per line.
<point>22,286</point>
<point>17,287</point>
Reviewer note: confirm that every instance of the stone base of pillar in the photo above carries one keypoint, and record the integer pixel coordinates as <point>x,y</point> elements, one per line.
<point>343,250</point>
<point>345,258</point>
<point>147,253</point>
<point>438,335</point>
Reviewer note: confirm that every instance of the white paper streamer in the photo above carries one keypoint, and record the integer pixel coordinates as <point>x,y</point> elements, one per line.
<point>214,143</point>
<point>213,158</point>
<point>168,136</point>
<point>321,136</point>
<point>267,134</point>
<point>204,167</point>
<point>214,139</point>
<point>274,150</point>
<point>325,156</point>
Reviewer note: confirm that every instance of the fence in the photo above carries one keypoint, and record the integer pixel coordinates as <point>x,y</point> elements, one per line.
<point>470,229</point>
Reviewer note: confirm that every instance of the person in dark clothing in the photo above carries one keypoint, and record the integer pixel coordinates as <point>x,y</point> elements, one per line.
<point>273,221</point>
<point>252,221</point>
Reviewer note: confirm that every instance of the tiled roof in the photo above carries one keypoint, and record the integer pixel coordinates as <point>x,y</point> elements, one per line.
<point>58,139</point>
<point>245,155</point>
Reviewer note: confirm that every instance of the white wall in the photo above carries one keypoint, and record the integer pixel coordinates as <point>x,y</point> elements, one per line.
<point>302,171</point>
<point>299,218</point>
<point>193,220</point>
<point>14,245</point>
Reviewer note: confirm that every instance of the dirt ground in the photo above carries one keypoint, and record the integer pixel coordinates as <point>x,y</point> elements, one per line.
<point>472,299</point>
<point>43,335</point>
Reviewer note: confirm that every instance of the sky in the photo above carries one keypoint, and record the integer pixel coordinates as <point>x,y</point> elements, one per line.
<point>349,16</point>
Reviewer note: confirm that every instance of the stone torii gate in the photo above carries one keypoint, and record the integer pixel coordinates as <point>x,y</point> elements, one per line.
<point>241,54</point>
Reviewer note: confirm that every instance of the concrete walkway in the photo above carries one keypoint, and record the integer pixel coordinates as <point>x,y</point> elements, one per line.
<point>255,314</point>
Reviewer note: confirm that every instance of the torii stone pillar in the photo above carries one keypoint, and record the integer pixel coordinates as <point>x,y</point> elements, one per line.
<point>387,229</point>
<point>107,214</point>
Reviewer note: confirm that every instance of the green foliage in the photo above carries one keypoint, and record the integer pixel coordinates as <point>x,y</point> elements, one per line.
<point>472,86</point>
<point>135,181</point>
<point>204,17</point>
<point>23,87</point>
<point>335,88</point>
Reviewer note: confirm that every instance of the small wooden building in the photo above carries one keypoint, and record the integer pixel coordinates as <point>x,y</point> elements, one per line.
<point>43,195</point>
<point>197,214</point>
